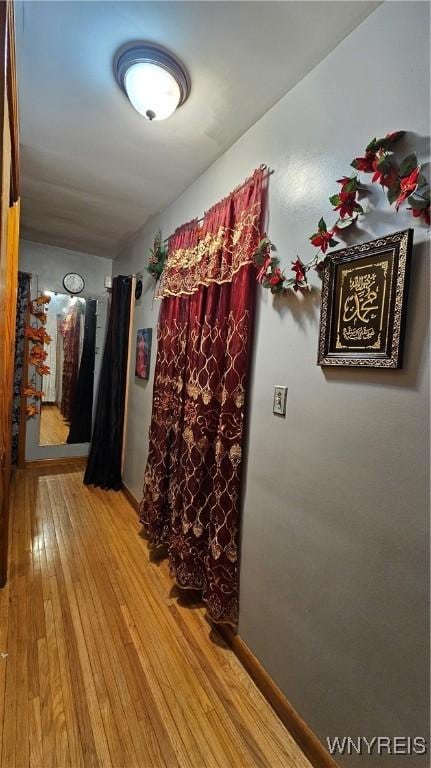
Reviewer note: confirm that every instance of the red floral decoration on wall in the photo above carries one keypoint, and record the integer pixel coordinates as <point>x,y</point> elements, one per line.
<point>38,337</point>
<point>402,182</point>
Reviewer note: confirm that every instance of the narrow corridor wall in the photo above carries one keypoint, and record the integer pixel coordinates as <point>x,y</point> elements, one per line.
<point>335,532</point>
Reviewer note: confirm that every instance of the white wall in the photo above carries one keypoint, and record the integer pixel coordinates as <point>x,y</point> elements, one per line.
<point>48,264</point>
<point>334,587</point>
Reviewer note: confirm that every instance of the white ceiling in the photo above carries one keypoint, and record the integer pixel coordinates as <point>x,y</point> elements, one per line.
<point>93,170</point>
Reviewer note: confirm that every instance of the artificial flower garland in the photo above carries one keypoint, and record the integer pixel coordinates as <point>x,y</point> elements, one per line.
<point>156,261</point>
<point>38,336</point>
<point>403,182</point>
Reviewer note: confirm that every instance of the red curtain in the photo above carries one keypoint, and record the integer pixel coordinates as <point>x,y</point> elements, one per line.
<point>191,496</point>
<point>70,329</point>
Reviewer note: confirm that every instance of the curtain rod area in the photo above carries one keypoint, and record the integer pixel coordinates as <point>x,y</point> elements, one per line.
<point>262,167</point>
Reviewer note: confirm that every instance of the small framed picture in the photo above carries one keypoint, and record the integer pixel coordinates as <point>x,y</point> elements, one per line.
<point>364,302</point>
<point>279,403</point>
<point>143,353</point>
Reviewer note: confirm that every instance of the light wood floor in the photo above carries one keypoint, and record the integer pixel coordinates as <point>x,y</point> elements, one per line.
<point>106,665</point>
<point>53,428</point>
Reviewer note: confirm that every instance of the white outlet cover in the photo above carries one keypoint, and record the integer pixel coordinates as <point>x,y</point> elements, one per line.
<point>279,403</point>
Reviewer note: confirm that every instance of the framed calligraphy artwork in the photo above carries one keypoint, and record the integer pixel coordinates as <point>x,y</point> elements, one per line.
<point>364,300</point>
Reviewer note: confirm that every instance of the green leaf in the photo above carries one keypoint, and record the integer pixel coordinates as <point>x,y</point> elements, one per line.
<point>408,165</point>
<point>372,146</point>
<point>352,185</point>
<point>385,162</point>
<point>358,208</point>
<point>422,182</point>
<point>417,203</point>
<point>322,225</point>
<point>333,243</point>
<point>277,288</point>
<point>334,199</point>
<point>354,164</point>
<point>393,193</point>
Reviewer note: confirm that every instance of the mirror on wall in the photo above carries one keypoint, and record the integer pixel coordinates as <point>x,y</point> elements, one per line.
<point>67,404</point>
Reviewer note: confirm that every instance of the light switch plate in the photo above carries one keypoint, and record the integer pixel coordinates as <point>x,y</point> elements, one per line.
<point>280,397</point>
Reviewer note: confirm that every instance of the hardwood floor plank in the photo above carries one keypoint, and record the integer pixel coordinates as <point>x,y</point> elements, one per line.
<point>34,567</point>
<point>35,734</point>
<point>104,610</point>
<point>72,714</point>
<point>109,665</point>
<point>46,706</point>
<point>101,754</point>
<point>59,721</point>
<point>9,721</point>
<point>120,740</point>
<point>53,428</point>
<point>22,736</point>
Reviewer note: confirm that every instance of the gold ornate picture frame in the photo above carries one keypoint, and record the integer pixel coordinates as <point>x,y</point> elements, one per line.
<point>364,302</point>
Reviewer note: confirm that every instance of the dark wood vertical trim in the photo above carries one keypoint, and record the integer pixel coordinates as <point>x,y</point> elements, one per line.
<point>3,69</point>
<point>12,95</point>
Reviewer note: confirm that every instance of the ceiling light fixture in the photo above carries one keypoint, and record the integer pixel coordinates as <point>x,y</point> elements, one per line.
<point>155,82</point>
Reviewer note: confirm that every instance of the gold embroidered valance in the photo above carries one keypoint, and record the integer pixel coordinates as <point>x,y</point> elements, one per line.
<point>214,252</point>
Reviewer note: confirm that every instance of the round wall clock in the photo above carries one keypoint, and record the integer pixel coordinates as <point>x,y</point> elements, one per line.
<point>73,282</point>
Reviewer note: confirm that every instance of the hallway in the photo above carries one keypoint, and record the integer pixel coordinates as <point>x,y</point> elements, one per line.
<point>105,665</point>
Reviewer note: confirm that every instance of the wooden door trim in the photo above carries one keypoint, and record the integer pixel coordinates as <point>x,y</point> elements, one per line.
<point>9,234</point>
<point>12,95</point>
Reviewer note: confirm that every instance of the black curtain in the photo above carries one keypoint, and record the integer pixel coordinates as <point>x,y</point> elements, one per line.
<point>82,407</point>
<point>104,461</point>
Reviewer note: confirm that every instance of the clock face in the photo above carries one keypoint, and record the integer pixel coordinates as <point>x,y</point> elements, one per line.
<point>73,282</point>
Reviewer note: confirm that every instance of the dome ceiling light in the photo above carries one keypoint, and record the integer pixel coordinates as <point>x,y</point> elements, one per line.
<point>155,82</point>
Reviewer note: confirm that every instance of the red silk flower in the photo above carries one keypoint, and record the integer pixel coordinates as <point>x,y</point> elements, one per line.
<point>263,270</point>
<point>276,277</point>
<point>407,186</point>
<point>347,203</point>
<point>385,178</point>
<point>365,163</point>
<point>298,268</point>
<point>322,240</point>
